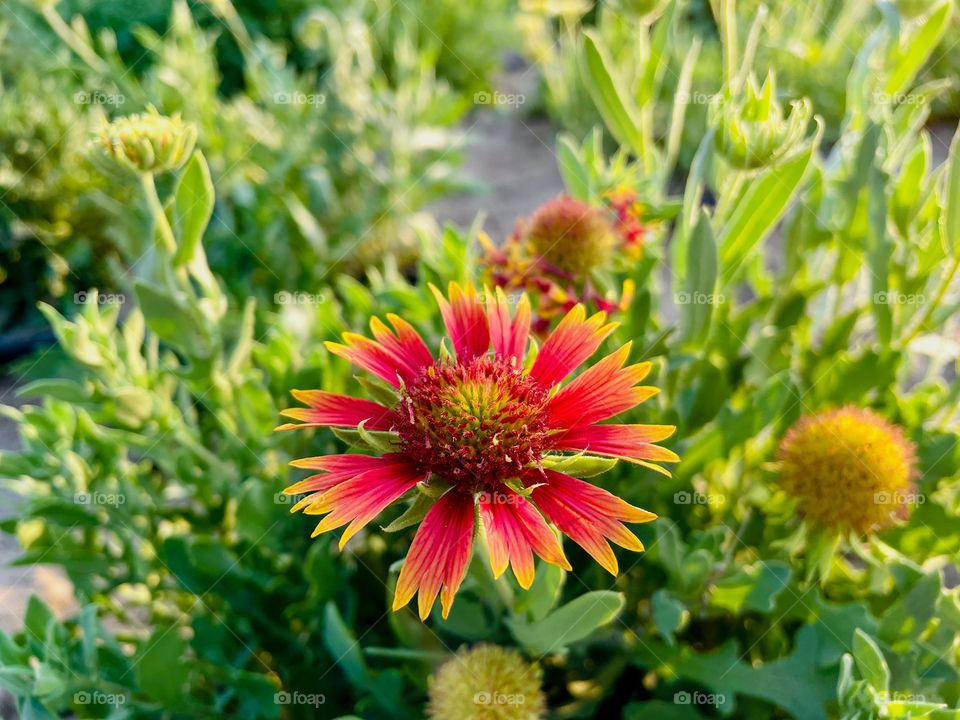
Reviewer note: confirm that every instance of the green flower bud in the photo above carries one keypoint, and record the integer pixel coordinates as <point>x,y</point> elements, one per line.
<point>142,143</point>
<point>486,683</point>
<point>752,131</point>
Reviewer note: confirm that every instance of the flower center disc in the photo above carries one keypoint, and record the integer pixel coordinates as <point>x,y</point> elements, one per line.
<point>474,424</point>
<point>571,235</point>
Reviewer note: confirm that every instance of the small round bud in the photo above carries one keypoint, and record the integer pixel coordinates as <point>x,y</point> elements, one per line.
<point>751,128</point>
<point>142,143</point>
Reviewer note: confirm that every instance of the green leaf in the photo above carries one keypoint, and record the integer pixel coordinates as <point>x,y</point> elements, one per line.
<point>344,647</point>
<point>569,623</point>
<point>870,662</point>
<point>698,297</point>
<point>879,250</point>
<point>161,669</point>
<point>609,94</point>
<point>60,389</point>
<point>764,201</point>
<point>543,593</point>
<point>575,174</point>
<point>172,321</point>
<point>752,588</point>
<point>192,208</point>
<point>795,682</point>
<point>379,440</point>
<point>904,621</point>
<point>580,465</point>
<point>422,502</point>
<point>919,47</point>
<point>950,203</point>
<point>669,614</point>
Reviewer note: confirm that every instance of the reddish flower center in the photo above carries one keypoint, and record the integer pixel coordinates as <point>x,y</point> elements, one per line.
<point>474,424</point>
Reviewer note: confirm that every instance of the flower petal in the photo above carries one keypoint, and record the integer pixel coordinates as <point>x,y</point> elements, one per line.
<point>359,499</point>
<point>328,409</point>
<point>465,320</point>
<point>509,338</point>
<point>573,340</point>
<point>406,343</point>
<point>373,357</point>
<point>600,392</point>
<point>439,554</point>
<point>589,515</point>
<point>633,443</point>
<point>514,528</point>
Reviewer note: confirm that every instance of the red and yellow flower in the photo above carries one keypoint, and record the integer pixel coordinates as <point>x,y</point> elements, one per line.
<point>553,254</point>
<point>484,431</point>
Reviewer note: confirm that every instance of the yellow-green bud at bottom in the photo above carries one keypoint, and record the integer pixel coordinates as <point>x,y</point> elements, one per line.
<point>486,683</point>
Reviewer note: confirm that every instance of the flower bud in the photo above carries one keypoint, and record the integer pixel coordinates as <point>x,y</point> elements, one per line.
<point>751,129</point>
<point>142,143</point>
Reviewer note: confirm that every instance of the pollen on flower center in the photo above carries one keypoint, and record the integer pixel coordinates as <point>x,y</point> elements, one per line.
<point>474,424</point>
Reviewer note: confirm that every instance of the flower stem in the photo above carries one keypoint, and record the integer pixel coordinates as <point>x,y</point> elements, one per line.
<point>932,307</point>
<point>168,241</point>
<point>72,40</point>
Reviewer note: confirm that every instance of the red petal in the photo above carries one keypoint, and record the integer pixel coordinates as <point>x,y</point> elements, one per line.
<point>327,409</point>
<point>514,528</point>
<point>373,357</point>
<point>509,338</point>
<point>573,341</point>
<point>360,498</point>
<point>439,554</point>
<point>587,514</point>
<point>465,319</point>
<point>633,443</point>
<point>406,344</point>
<point>602,391</point>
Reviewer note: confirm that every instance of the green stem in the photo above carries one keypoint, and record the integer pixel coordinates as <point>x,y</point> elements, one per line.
<point>932,307</point>
<point>728,34</point>
<point>72,39</point>
<point>405,653</point>
<point>168,241</point>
